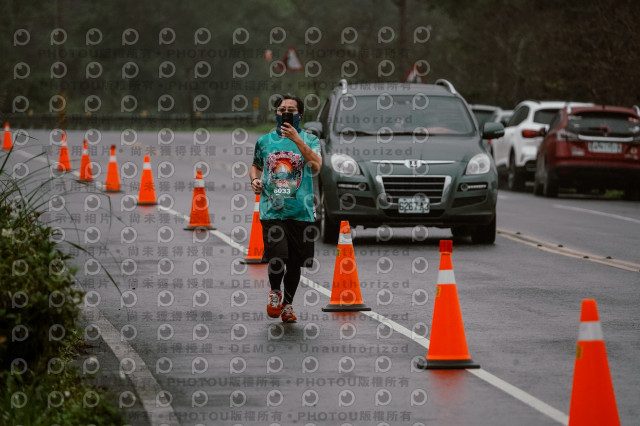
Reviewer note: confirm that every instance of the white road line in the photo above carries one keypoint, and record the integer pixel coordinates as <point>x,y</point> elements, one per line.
<point>596,212</point>
<point>495,381</point>
<point>521,395</point>
<point>141,383</point>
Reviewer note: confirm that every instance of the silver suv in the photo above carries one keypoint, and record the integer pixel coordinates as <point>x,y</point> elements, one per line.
<point>404,155</point>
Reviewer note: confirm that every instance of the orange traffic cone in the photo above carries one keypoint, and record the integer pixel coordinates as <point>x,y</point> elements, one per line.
<point>592,399</point>
<point>345,291</point>
<point>147,194</point>
<point>64,163</point>
<point>448,345</point>
<point>256,243</point>
<point>7,144</point>
<point>113,176</point>
<point>86,173</point>
<point>199,206</point>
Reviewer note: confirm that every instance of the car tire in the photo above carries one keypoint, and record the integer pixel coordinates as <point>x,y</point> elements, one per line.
<point>515,175</point>
<point>537,186</point>
<point>460,231</point>
<point>537,182</point>
<point>485,234</point>
<point>329,228</point>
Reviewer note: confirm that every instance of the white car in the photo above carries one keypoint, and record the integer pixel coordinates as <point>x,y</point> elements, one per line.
<point>515,152</point>
<point>501,116</point>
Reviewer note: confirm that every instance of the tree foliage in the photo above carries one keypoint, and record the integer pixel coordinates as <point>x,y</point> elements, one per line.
<point>494,51</point>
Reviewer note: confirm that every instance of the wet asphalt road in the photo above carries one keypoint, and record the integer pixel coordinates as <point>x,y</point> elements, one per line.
<point>197,319</point>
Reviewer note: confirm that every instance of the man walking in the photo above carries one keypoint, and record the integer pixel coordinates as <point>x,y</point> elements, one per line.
<point>282,168</point>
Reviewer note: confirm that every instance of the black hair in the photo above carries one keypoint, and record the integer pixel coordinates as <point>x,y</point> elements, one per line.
<point>279,100</point>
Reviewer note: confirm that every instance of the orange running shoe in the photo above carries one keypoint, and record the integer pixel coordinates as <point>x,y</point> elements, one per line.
<point>287,314</point>
<point>274,304</point>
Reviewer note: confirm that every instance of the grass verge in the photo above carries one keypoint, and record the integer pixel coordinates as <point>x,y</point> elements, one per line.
<point>39,307</point>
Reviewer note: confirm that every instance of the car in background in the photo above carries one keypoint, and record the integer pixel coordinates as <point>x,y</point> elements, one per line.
<point>515,152</point>
<point>501,116</point>
<point>483,113</point>
<point>587,148</point>
<point>404,155</point>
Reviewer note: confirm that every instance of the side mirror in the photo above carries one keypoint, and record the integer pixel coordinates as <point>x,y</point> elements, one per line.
<point>543,131</point>
<point>313,127</point>
<point>492,131</point>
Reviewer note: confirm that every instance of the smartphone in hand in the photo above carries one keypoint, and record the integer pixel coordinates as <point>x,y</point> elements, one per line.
<point>287,117</point>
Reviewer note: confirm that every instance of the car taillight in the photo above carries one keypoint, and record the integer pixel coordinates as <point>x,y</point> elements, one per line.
<point>568,144</point>
<point>528,133</point>
<point>567,136</point>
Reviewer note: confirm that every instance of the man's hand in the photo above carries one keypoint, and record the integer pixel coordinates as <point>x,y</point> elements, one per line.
<point>313,159</point>
<point>289,132</point>
<point>256,185</point>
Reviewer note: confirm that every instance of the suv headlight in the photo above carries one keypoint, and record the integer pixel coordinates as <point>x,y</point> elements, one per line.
<point>479,164</point>
<point>345,165</point>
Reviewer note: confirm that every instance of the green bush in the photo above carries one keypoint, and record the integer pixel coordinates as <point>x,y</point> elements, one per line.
<point>39,307</point>
<point>38,303</point>
<point>43,396</point>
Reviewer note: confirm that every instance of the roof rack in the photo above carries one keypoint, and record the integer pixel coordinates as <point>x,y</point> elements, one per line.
<point>343,84</point>
<point>447,84</point>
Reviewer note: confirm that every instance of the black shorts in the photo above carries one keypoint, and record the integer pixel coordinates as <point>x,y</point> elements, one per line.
<point>289,240</point>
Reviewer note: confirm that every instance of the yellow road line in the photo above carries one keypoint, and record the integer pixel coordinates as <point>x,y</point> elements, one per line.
<point>568,252</point>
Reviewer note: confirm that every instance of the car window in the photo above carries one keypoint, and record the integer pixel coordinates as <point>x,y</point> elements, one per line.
<point>504,120</point>
<point>519,116</point>
<point>544,116</point>
<point>604,124</point>
<point>556,121</point>
<point>403,114</point>
<point>482,116</point>
<point>324,112</point>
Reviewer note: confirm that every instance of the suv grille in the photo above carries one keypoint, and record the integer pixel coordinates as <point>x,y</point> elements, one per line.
<point>407,186</point>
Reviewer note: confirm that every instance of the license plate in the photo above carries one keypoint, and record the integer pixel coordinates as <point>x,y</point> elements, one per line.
<point>605,147</point>
<point>413,205</point>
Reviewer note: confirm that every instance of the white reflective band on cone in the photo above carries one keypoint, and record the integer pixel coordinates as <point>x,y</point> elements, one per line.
<point>256,207</point>
<point>446,276</point>
<point>345,239</point>
<point>112,158</point>
<point>590,331</point>
<point>146,166</point>
<point>199,183</point>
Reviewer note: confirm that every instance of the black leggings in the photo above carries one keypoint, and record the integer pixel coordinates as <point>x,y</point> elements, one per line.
<point>290,270</point>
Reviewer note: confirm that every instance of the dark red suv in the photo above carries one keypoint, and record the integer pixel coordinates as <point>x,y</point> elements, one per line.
<point>593,147</point>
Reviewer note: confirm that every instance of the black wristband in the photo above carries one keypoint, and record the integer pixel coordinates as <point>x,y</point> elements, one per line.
<point>253,180</point>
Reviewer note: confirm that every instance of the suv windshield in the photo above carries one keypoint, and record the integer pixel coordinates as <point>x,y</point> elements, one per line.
<point>402,114</point>
<point>604,124</point>
<point>545,116</point>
